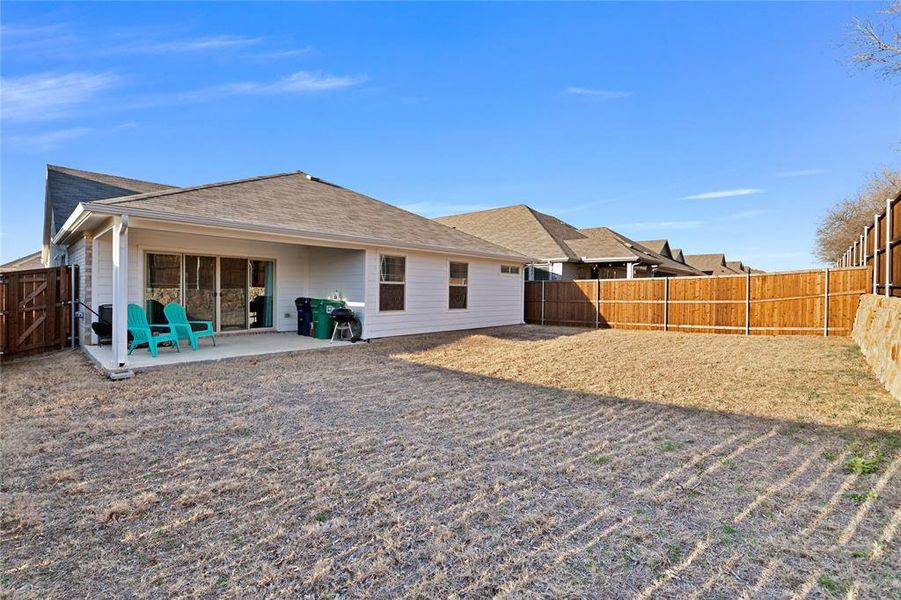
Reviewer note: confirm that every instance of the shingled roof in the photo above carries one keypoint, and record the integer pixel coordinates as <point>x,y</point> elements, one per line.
<point>661,247</point>
<point>677,255</point>
<point>548,239</point>
<point>712,264</point>
<point>297,203</point>
<point>67,187</point>
<point>645,254</point>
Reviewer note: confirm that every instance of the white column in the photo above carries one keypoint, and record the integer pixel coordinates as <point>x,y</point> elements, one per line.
<point>630,270</point>
<point>120,292</point>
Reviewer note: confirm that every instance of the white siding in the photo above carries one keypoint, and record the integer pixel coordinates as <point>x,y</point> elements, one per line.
<point>494,298</point>
<point>337,270</point>
<point>77,257</point>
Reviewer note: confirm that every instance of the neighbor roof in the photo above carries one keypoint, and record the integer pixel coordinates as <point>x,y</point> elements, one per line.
<point>644,253</point>
<point>661,247</point>
<point>67,187</point>
<point>677,255</point>
<point>715,264</point>
<point>298,204</point>
<point>547,238</point>
<point>737,266</point>
<point>30,261</point>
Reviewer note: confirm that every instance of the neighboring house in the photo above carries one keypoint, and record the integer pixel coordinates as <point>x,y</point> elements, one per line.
<point>661,247</point>
<point>710,264</point>
<point>677,255</point>
<point>239,252</point>
<point>738,266</point>
<point>31,261</point>
<point>560,251</point>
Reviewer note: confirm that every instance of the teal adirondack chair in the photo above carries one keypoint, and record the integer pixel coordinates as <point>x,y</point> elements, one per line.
<point>178,319</point>
<point>141,333</point>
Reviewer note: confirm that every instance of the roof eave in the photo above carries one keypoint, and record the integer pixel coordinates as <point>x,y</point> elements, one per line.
<point>84,210</point>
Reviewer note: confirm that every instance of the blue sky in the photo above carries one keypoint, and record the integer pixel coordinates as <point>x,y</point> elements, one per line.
<point>721,126</point>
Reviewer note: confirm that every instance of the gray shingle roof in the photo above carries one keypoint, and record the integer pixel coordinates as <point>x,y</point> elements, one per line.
<point>298,202</point>
<point>677,255</point>
<point>66,188</point>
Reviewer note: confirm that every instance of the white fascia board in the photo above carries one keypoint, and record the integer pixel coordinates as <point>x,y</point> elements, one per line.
<point>611,259</point>
<point>90,208</point>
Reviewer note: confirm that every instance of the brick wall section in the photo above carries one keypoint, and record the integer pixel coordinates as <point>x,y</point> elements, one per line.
<point>877,330</point>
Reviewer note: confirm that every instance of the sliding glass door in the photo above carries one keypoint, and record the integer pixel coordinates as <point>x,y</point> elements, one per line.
<point>200,288</point>
<point>234,293</point>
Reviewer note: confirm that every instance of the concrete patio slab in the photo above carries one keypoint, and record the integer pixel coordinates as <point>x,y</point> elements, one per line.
<point>227,346</point>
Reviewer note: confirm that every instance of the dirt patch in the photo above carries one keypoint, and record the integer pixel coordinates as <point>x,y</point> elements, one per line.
<point>382,471</point>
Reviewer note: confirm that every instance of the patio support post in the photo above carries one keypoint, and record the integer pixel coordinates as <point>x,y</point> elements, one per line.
<point>120,292</point>
<point>630,270</point>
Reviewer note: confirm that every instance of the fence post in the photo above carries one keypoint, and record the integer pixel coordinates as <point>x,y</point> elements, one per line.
<point>597,303</point>
<point>863,247</point>
<point>826,303</point>
<point>875,253</point>
<point>888,247</point>
<point>666,304</point>
<point>747,304</point>
<point>542,301</point>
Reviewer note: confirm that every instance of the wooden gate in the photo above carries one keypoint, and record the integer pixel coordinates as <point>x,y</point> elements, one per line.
<point>36,310</point>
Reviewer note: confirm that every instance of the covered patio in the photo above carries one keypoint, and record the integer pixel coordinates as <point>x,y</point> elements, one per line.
<point>227,346</point>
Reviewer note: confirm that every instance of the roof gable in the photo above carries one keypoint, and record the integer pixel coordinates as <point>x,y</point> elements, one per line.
<point>661,247</point>
<point>67,188</point>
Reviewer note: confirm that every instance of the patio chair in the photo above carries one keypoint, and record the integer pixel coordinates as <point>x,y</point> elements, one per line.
<point>141,333</point>
<point>183,328</point>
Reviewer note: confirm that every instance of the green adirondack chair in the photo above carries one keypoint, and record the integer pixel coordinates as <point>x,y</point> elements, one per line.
<point>181,326</point>
<point>141,333</point>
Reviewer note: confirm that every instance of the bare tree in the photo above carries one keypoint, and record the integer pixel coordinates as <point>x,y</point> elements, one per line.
<point>879,44</point>
<point>844,222</point>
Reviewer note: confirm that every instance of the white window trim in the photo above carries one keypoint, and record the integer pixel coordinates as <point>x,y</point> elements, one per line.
<point>518,268</point>
<point>450,285</point>
<point>380,282</point>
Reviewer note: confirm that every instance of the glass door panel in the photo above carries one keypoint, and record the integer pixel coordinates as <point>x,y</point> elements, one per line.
<point>163,284</point>
<point>261,272</point>
<point>200,288</point>
<point>233,293</point>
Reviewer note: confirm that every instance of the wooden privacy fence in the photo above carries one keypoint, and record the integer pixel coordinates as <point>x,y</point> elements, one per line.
<point>879,247</point>
<point>821,302</point>
<point>36,310</point>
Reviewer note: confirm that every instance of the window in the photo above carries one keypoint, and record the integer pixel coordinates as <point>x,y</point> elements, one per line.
<point>510,269</point>
<point>458,285</point>
<point>392,279</point>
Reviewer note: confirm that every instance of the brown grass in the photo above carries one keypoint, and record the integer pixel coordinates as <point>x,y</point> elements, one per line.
<point>489,464</point>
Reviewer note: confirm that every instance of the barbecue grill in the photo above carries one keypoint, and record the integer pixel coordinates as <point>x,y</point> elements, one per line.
<point>347,325</point>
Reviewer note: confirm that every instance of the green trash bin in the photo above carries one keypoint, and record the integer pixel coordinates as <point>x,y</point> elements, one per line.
<point>323,323</point>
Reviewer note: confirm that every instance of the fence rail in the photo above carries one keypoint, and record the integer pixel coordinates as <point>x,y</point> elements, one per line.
<point>36,310</point>
<point>879,247</point>
<point>820,302</point>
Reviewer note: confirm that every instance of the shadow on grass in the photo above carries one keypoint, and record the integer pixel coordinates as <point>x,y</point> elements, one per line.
<point>360,474</point>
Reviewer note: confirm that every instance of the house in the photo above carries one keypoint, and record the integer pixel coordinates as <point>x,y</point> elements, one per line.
<point>677,255</point>
<point>560,251</point>
<point>30,261</point>
<point>238,253</point>
<point>710,264</point>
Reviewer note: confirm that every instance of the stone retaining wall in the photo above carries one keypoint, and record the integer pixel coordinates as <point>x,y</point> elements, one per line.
<point>877,330</point>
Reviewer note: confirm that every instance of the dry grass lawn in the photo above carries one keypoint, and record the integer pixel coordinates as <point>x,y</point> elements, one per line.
<point>511,462</point>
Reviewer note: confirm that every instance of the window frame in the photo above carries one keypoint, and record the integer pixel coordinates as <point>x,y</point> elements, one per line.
<point>510,273</point>
<point>450,285</point>
<point>403,283</point>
